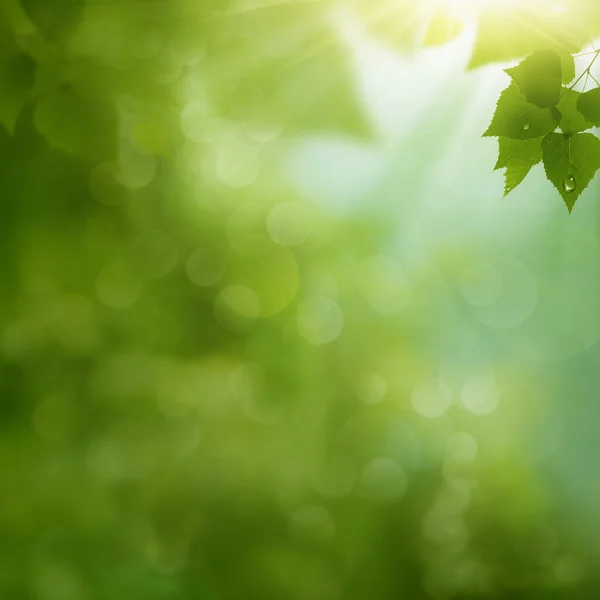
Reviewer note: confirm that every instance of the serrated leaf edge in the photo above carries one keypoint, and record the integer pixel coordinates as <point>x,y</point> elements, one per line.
<point>580,190</point>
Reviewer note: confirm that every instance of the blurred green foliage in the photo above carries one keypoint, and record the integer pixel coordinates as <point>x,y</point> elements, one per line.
<point>212,387</point>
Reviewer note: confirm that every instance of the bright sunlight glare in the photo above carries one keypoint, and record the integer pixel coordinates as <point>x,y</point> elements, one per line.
<point>461,5</point>
<point>478,5</point>
<point>467,9</point>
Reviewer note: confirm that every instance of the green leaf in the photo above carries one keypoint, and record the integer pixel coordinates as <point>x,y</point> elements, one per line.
<point>516,118</point>
<point>568,68</point>
<point>572,121</point>
<point>518,157</point>
<point>570,163</point>
<point>17,76</point>
<point>73,120</point>
<point>509,150</point>
<point>588,105</point>
<point>539,77</point>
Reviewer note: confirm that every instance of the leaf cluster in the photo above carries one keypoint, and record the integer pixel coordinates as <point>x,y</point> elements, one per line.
<point>540,118</point>
<point>98,77</point>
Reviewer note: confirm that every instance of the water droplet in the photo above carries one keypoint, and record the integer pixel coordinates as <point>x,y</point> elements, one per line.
<point>526,127</point>
<point>569,184</point>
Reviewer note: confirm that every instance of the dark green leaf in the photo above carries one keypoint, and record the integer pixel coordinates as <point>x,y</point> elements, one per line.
<point>588,105</point>
<point>539,77</point>
<point>556,113</point>
<point>570,163</point>
<point>518,157</point>
<point>516,118</point>
<point>572,121</point>
<point>568,68</point>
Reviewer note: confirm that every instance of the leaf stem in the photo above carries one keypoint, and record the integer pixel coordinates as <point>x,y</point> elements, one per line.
<point>587,71</point>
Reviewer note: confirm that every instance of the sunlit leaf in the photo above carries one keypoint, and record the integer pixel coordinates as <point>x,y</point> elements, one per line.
<point>570,163</point>
<point>518,157</point>
<point>589,106</point>
<point>539,78</point>
<point>568,68</point>
<point>572,120</point>
<point>518,119</point>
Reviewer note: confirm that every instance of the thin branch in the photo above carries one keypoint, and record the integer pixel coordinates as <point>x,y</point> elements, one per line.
<point>587,71</point>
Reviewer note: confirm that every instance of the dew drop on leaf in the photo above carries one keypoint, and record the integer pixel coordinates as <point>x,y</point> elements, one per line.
<point>526,127</point>
<point>569,184</point>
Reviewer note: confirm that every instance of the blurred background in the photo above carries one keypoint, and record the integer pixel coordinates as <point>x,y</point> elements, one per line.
<point>269,330</point>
